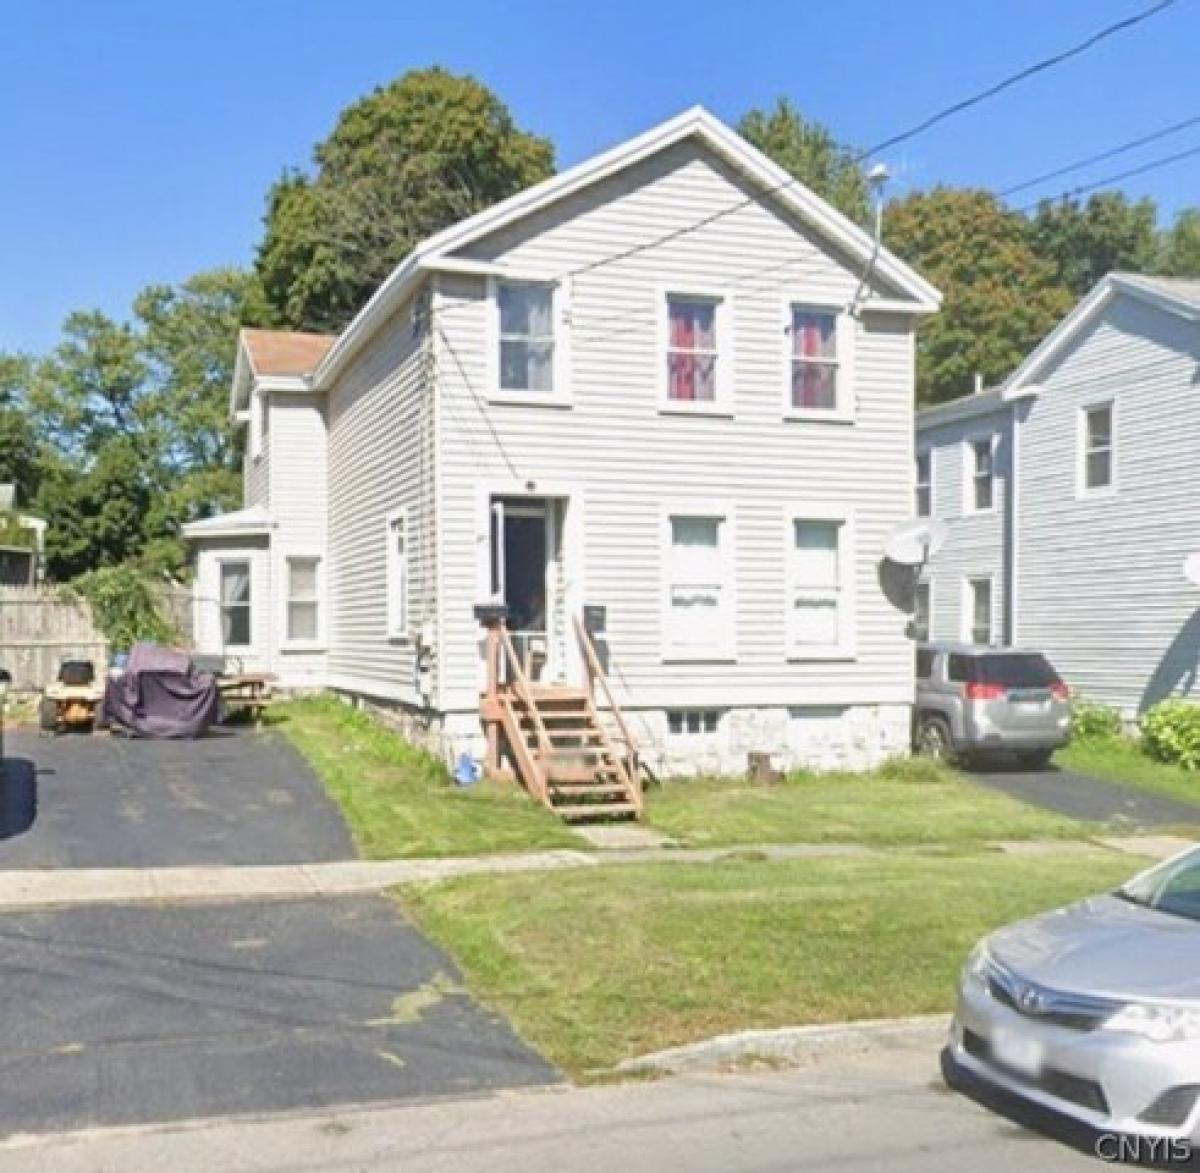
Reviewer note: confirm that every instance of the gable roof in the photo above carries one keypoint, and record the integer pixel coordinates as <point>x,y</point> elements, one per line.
<point>248,522</point>
<point>1176,295</point>
<point>285,352</point>
<point>917,294</point>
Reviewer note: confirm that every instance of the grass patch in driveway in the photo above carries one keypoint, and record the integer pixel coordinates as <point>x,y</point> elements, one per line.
<point>607,963</point>
<point>1121,759</point>
<point>400,802</point>
<point>904,803</point>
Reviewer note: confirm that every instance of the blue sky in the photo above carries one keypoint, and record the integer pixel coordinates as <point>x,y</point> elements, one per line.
<point>139,136</point>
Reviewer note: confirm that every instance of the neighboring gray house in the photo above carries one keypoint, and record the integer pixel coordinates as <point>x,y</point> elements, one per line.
<point>1097,439</point>
<point>644,385</point>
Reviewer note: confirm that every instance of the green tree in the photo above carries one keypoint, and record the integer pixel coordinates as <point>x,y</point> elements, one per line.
<point>19,463</point>
<point>1084,241</point>
<point>1001,298</point>
<point>809,152</point>
<point>410,159</point>
<point>132,419</point>
<point>1179,246</point>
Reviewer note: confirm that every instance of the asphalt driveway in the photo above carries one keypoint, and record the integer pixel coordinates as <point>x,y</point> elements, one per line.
<point>236,796</point>
<point>1080,796</point>
<point>115,1015</point>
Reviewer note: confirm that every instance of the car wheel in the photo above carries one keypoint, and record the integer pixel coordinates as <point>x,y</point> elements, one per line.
<point>1035,759</point>
<point>934,740</point>
<point>48,716</point>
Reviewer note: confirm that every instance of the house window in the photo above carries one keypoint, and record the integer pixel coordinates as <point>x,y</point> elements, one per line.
<point>235,604</point>
<point>526,337</point>
<point>1098,447</point>
<point>983,473</point>
<point>979,602</point>
<point>814,360</point>
<point>303,599</point>
<point>816,618</point>
<point>921,612</point>
<point>697,602</point>
<point>691,349</point>
<point>397,571</point>
<point>924,484</point>
<point>692,722</point>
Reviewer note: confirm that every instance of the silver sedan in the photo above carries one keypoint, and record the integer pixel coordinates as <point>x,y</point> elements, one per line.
<point>1093,1011</point>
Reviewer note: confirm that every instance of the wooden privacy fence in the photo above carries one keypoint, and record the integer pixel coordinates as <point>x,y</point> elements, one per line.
<point>39,629</point>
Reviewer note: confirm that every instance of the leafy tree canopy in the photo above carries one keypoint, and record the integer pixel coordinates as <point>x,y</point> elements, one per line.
<point>1179,253</point>
<point>809,152</point>
<point>401,164</point>
<point>1084,241</point>
<point>1001,298</point>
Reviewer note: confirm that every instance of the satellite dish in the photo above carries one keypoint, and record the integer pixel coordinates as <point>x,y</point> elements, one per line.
<point>915,542</point>
<point>1191,568</point>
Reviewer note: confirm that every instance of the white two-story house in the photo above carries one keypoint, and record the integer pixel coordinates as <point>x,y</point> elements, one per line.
<point>1077,547</point>
<point>669,387</point>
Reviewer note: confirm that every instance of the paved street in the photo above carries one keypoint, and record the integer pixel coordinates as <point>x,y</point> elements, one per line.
<point>885,1112</point>
<point>235,796</point>
<point>115,1015</point>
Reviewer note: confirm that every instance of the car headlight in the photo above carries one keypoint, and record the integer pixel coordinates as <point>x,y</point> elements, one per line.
<point>978,966</point>
<point>1159,1024</point>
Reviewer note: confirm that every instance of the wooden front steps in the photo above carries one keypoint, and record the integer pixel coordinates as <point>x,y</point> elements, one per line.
<point>556,740</point>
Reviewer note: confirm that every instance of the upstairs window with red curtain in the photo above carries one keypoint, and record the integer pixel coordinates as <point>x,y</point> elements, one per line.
<point>691,350</point>
<point>814,360</point>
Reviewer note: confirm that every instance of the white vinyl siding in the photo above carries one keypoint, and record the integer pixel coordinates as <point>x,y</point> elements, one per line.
<point>398,573</point>
<point>626,462</point>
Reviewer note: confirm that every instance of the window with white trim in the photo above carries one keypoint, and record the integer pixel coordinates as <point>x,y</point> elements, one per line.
<point>698,607</point>
<point>924,501</point>
<point>236,626</point>
<point>814,367</point>
<point>303,624</point>
<point>922,615</point>
<point>398,573</point>
<point>979,603</point>
<point>692,349</point>
<point>1097,455</point>
<point>817,619</point>
<point>982,468</point>
<point>526,338</point>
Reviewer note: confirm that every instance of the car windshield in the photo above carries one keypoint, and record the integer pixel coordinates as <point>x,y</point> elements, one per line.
<point>1017,670</point>
<point>1172,887</point>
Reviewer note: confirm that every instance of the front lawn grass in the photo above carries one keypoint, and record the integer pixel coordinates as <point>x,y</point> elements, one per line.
<point>607,963</point>
<point>400,802</point>
<point>1121,759</point>
<point>905,803</point>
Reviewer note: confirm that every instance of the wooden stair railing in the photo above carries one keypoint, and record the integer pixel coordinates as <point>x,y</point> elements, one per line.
<point>560,746</point>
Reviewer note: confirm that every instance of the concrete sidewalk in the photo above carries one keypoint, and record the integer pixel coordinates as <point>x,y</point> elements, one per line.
<point>70,887</point>
<point>882,1113</point>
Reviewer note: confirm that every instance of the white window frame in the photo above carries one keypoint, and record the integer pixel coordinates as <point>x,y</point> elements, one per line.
<point>398,619</point>
<point>968,610</point>
<point>259,425</point>
<point>926,585</point>
<point>560,394</point>
<point>722,404</point>
<point>969,472</point>
<point>238,560</point>
<point>722,649</point>
<point>1081,450</point>
<point>844,338</point>
<point>846,647</point>
<point>286,556</point>
<point>925,454</point>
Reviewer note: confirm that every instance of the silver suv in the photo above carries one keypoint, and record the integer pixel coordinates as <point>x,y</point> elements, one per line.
<point>973,700</point>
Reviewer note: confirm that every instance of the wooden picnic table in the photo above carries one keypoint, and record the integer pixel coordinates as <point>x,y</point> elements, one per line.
<point>247,691</point>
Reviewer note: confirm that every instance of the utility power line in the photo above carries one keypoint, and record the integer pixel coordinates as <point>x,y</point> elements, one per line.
<point>1154,136</point>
